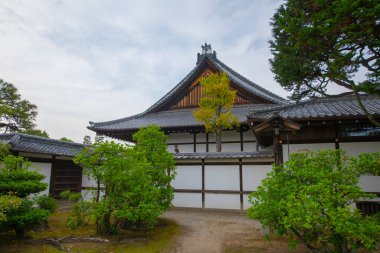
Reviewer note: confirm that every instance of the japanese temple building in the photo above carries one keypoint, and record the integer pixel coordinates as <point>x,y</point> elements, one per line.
<point>271,128</point>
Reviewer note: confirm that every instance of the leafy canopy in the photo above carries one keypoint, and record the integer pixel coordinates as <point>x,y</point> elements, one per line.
<point>215,105</point>
<point>134,180</point>
<point>320,43</point>
<point>17,114</point>
<point>17,182</point>
<point>310,199</point>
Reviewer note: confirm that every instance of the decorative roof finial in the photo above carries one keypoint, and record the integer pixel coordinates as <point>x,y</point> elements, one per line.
<point>206,50</point>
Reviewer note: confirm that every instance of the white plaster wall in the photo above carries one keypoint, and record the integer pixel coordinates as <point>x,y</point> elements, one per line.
<point>230,136</point>
<point>356,148</point>
<point>88,182</point>
<point>187,200</point>
<point>44,169</point>
<point>90,194</point>
<point>253,175</point>
<point>186,148</point>
<point>180,137</point>
<point>223,201</point>
<point>183,148</point>
<point>249,146</point>
<point>201,148</point>
<point>231,147</point>
<point>305,147</point>
<point>249,136</point>
<point>201,137</point>
<point>246,203</point>
<point>212,147</point>
<point>222,177</point>
<point>188,177</point>
<point>370,183</point>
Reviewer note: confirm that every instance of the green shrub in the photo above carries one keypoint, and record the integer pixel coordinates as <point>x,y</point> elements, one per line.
<point>135,180</point>
<point>80,212</point>
<point>310,199</point>
<point>47,203</point>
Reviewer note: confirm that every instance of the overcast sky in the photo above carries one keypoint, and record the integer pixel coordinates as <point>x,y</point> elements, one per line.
<point>82,61</point>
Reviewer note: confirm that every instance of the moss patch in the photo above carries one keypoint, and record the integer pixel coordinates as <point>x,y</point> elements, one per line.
<point>154,240</point>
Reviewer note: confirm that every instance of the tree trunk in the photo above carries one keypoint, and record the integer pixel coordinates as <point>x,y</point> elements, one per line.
<point>97,191</point>
<point>218,138</point>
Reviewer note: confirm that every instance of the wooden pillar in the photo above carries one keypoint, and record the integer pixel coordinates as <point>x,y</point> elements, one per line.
<point>277,146</point>
<point>241,183</point>
<point>52,176</point>
<point>195,142</point>
<point>203,183</point>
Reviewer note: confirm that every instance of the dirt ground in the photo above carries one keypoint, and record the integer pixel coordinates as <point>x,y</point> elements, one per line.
<point>211,231</point>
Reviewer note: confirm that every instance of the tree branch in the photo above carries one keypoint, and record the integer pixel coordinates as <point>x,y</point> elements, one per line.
<point>308,245</point>
<point>360,103</point>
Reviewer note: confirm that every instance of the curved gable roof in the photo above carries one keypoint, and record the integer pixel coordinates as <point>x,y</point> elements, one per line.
<point>236,78</point>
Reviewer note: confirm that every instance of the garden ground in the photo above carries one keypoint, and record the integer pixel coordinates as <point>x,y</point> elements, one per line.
<point>179,231</point>
<point>221,231</point>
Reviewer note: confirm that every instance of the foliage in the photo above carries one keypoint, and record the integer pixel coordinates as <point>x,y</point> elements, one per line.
<point>4,150</point>
<point>156,240</point>
<point>47,203</point>
<point>16,177</point>
<point>37,132</point>
<point>134,180</point>
<point>215,106</point>
<point>87,140</point>
<point>18,180</point>
<point>73,196</point>
<point>310,198</point>
<point>8,202</point>
<point>16,114</point>
<point>319,43</point>
<point>26,216</point>
<point>81,210</point>
<point>368,163</point>
<point>66,139</point>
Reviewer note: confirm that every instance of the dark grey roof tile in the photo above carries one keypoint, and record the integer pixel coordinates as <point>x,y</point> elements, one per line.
<point>35,144</point>
<point>322,108</point>
<point>224,155</point>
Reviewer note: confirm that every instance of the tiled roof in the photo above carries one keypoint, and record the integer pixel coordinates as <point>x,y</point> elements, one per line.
<point>184,117</point>
<point>35,144</point>
<point>223,155</point>
<point>238,79</point>
<point>247,84</point>
<point>342,107</point>
<point>168,119</point>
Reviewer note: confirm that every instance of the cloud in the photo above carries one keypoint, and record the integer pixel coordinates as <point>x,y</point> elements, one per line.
<point>83,61</point>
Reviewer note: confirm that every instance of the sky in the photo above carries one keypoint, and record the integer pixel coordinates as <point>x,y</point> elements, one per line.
<point>93,60</point>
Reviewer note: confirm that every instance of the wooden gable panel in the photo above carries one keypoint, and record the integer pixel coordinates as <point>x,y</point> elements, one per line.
<point>193,96</point>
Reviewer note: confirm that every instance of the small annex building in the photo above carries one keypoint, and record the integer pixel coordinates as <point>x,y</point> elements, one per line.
<point>271,128</point>
<point>52,158</point>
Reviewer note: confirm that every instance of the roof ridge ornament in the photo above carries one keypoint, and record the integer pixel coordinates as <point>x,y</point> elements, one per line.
<point>206,50</point>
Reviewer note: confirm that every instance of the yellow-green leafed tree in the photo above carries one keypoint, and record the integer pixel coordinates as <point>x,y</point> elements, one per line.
<point>215,106</point>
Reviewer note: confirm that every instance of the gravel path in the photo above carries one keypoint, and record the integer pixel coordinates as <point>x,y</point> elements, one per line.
<point>211,231</point>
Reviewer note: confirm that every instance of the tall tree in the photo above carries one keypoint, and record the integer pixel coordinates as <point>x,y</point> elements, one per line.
<point>215,106</point>
<point>17,114</point>
<point>321,43</point>
<point>134,180</point>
